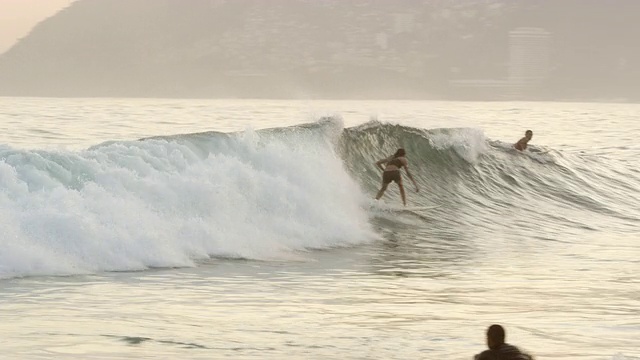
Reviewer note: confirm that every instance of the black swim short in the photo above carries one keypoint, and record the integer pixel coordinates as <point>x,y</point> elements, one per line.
<point>389,176</point>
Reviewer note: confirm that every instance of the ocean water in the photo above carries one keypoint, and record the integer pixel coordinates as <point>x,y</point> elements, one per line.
<point>245,229</point>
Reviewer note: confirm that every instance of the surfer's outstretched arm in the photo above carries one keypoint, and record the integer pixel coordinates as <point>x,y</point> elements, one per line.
<point>406,168</point>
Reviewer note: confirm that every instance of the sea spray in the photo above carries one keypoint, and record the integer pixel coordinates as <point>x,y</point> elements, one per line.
<point>170,202</point>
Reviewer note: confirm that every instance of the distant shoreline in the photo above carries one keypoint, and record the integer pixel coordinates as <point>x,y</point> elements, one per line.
<point>560,101</point>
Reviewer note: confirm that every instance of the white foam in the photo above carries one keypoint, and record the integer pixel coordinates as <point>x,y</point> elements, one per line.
<point>160,203</point>
<point>469,143</point>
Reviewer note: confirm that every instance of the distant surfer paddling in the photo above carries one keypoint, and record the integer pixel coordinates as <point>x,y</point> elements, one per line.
<point>391,172</point>
<point>522,143</point>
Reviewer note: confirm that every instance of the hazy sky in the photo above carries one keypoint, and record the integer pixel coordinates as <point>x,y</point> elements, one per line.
<point>18,17</point>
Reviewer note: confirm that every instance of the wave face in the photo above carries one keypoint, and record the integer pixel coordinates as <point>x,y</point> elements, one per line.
<point>488,186</point>
<point>273,194</point>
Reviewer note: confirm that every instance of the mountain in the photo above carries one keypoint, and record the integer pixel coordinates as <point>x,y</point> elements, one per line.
<point>445,49</point>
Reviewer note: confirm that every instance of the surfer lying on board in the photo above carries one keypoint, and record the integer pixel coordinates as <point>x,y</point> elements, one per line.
<point>391,172</point>
<point>522,143</point>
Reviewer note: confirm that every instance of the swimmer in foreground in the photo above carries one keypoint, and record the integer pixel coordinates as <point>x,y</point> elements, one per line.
<point>498,349</point>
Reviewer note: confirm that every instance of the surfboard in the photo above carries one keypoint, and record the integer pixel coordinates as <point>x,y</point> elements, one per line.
<point>418,208</point>
<point>538,151</point>
<point>406,208</point>
<point>421,212</point>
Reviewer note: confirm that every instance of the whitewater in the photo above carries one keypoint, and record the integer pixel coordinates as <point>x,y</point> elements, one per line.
<point>246,229</point>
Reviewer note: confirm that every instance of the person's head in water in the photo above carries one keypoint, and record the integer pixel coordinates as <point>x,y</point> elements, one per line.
<point>495,336</point>
<point>399,153</point>
<point>528,134</point>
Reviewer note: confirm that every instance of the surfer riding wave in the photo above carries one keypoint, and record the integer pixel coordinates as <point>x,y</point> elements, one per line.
<point>391,172</point>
